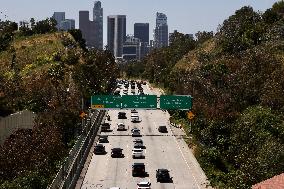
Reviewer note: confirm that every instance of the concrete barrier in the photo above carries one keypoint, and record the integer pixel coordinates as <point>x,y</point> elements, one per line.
<point>20,120</point>
<point>70,170</point>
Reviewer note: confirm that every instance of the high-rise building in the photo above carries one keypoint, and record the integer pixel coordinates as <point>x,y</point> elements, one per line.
<point>116,33</point>
<point>67,24</point>
<point>92,31</point>
<point>98,19</point>
<point>161,35</point>
<point>59,17</point>
<point>131,48</point>
<point>62,23</point>
<point>87,28</point>
<point>141,31</point>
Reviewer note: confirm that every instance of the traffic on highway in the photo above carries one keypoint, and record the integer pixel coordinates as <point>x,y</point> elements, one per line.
<point>137,148</point>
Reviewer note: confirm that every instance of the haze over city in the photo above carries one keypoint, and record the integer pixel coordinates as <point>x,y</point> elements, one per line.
<point>186,16</point>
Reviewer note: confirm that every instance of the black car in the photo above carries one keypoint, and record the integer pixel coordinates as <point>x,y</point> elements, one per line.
<point>116,153</point>
<point>105,127</point>
<point>163,129</point>
<point>103,139</point>
<point>122,115</point>
<point>163,175</point>
<point>135,132</point>
<point>138,169</point>
<point>99,149</point>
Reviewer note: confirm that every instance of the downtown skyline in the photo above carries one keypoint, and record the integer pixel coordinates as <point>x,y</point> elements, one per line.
<point>186,16</point>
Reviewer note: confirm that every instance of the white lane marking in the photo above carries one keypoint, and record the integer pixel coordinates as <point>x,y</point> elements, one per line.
<point>185,159</point>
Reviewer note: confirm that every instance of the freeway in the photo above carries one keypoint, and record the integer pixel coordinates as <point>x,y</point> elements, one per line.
<point>162,150</point>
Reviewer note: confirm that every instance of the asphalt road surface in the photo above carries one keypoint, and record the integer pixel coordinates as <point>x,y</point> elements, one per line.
<point>162,150</point>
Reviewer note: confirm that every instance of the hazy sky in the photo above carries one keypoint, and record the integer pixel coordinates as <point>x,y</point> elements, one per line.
<point>186,16</point>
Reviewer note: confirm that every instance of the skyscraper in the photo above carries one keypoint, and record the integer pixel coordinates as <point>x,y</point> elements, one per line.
<point>98,19</point>
<point>131,48</point>
<point>92,31</point>
<point>141,31</point>
<point>161,35</point>
<point>62,23</point>
<point>87,28</point>
<point>67,24</point>
<point>59,17</point>
<point>116,33</point>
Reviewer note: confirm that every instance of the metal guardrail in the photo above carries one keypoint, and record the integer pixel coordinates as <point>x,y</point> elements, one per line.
<point>70,170</point>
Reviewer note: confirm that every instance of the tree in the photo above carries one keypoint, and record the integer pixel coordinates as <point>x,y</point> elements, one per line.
<point>256,146</point>
<point>32,21</point>
<point>159,63</point>
<point>203,36</point>
<point>278,7</point>
<point>77,35</point>
<point>241,31</point>
<point>7,29</point>
<point>98,74</point>
<point>270,16</point>
<point>45,26</point>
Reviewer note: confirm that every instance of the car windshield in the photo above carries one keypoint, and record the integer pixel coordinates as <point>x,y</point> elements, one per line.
<point>116,150</point>
<point>143,185</point>
<point>137,150</point>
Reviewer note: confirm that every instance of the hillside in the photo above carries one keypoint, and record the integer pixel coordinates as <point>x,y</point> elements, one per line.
<point>236,80</point>
<point>28,49</point>
<point>48,74</point>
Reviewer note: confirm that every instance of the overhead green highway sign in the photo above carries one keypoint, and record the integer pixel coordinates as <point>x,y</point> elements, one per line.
<point>105,101</point>
<point>167,102</point>
<point>176,102</point>
<point>139,101</point>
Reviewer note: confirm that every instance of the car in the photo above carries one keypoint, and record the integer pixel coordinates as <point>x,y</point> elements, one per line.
<point>135,118</point>
<point>105,127</point>
<point>162,175</point>
<point>122,115</point>
<point>135,132</point>
<point>116,152</point>
<point>137,153</point>
<point>117,91</point>
<point>163,129</point>
<point>138,145</point>
<point>138,141</point>
<point>103,139</point>
<point>99,149</point>
<point>144,185</point>
<point>120,127</point>
<point>134,111</point>
<point>138,169</point>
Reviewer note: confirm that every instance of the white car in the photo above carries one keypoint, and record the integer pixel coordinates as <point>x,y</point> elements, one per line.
<point>120,127</point>
<point>135,117</point>
<point>137,153</point>
<point>144,185</point>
